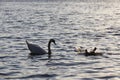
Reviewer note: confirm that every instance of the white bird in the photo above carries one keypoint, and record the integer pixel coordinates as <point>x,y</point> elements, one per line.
<point>79,49</point>
<point>37,50</point>
<point>93,53</point>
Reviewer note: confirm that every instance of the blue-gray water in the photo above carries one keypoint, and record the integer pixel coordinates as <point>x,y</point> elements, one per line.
<point>70,24</point>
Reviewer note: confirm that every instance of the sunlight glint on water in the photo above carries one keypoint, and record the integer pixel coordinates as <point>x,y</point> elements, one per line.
<point>70,24</point>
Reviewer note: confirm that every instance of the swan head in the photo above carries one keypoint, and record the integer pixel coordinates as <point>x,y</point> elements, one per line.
<point>52,40</point>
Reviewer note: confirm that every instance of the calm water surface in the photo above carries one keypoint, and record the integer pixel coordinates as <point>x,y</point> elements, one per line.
<point>70,24</point>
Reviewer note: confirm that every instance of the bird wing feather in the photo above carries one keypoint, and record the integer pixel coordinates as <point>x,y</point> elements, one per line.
<point>36,49</point>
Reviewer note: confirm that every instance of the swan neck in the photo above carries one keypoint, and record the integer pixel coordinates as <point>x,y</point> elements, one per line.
<point>49,49</point>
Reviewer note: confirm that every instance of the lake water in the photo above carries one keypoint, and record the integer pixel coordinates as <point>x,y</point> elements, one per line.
<point>71,24</point>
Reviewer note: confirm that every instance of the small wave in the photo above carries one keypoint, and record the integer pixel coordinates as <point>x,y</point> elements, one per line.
<point>99,68</point>
<point>90,71</point>
<point>86,79</point>
<point>116,34</point>
<point>68,64</point>
<point>8,74</point>
<point>113,53</point>
<point>2,57</point>
<point>38,57</point>
<point>34,76</point>
<point>107,77</point>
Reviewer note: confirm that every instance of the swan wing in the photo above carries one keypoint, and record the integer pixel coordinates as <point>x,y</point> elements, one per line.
<point>35,49</point>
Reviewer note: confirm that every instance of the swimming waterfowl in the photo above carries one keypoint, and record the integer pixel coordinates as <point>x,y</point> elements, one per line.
<point>37,50</point>
<point>93,53</point>
<point>79,49</point>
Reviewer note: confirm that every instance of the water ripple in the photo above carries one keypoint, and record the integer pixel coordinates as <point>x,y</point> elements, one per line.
<point>34,76</point>
<point>70,24</point>
<point>8,74</point>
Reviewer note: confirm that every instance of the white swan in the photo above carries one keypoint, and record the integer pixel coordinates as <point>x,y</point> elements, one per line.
<point>37,50</point>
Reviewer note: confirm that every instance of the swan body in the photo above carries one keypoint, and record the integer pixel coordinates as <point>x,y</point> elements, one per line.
<point>37,50</point>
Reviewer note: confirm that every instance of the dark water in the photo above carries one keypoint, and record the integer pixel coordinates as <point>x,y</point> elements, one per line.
<point>70,24</point>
